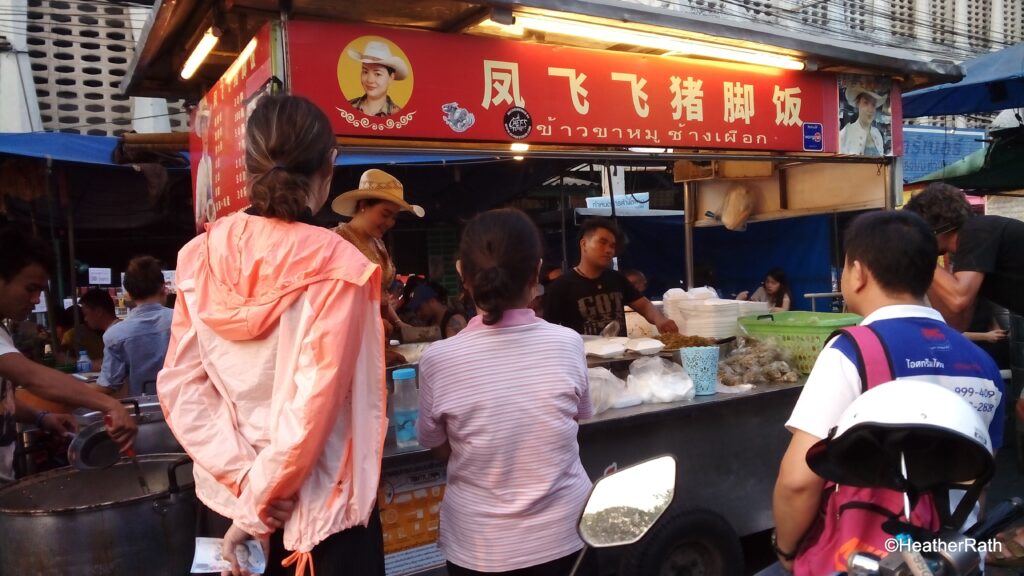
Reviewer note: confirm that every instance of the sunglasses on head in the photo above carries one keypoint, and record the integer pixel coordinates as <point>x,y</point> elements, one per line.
<point>944,228</point>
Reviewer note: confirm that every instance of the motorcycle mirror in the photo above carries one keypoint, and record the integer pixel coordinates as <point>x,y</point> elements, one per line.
<point>624,505</point>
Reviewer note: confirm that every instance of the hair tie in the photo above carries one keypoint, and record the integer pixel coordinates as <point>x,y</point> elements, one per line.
<point>278,167</point>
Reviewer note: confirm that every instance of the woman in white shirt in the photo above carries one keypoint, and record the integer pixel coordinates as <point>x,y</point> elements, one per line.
<point>774,290</point>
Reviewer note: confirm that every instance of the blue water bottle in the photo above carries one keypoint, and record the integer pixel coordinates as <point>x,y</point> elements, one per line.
<point>405,407</point>
<point>84,364</point>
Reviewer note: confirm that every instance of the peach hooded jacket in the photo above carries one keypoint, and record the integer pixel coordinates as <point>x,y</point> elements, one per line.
<point>274,377</point>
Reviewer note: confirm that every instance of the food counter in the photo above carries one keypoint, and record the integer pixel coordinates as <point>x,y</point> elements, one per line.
<point>728,448</point>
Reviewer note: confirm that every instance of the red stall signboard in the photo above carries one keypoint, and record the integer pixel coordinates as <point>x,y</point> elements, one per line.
<point>412,84</point>
<point>217,140</point>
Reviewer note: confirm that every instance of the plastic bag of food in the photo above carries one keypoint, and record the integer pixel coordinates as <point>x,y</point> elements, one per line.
<point>757,362</point>
<point>657,380</point>
<point>607,390</point>
<point>736,207</point>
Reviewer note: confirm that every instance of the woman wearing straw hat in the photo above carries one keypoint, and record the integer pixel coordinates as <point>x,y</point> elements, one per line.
<point>860,136</point>
<point>373,207</point>
<point>380,68</point>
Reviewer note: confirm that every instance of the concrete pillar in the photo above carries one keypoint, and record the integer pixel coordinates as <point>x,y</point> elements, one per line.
<point>19,108</point>
<point>149,115</point>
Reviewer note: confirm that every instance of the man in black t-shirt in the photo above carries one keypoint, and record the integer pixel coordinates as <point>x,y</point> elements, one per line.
<point>987,252</point>
<point>592,295</point>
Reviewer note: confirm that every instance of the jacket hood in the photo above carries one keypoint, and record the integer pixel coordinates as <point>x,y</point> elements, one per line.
<point>250,269</point>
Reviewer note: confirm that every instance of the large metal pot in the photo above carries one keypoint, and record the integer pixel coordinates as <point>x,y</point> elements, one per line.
<point>70,522</point>
<point>154,437</point>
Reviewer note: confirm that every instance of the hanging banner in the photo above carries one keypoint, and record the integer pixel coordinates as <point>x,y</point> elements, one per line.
<point>393,83</point>
<point>217,140</point>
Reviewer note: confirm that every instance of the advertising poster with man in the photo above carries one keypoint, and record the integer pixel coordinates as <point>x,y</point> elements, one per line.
<point>865,115</point>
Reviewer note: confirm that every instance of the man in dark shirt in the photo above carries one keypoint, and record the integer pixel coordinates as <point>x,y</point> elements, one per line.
<point>988,260</point>
<point>592,295</point>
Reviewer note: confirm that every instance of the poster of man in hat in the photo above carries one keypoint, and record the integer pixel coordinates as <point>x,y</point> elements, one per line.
<point>204,203</point>
<point>865,116</point>
<point>384,76</point>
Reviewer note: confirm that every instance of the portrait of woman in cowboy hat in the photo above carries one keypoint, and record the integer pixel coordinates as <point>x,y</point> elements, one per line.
<point>862,136</point>
<point>373,208</point>
<point>379,68</point>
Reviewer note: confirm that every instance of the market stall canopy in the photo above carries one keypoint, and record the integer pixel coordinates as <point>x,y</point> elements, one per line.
<point>993,169</point>
<point>991,82</point>
<point>61,147</point>
<point>175,27</point>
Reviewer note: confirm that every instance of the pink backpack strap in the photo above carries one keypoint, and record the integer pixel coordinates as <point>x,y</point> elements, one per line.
<point>873,361</point>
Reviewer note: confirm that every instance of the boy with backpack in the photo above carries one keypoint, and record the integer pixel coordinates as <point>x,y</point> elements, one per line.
<point>890,259</point>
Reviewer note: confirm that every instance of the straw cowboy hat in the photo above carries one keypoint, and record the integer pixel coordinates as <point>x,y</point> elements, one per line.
<point>854,90</point>
<point>374,184</point>
<point>202,118</point>
<point>377,52</point>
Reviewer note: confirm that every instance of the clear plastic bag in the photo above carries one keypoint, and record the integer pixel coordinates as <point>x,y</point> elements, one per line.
<point>658,380</point>
<point>608,391</point>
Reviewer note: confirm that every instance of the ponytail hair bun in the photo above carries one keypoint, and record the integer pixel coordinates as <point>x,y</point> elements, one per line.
<point>500,252</point>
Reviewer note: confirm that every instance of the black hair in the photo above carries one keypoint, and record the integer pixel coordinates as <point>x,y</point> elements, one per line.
<point>594,224</point>
<point>367,203</point>
<point>99,300</point>
<point>143,278</point>
<point>943,207</point>
<point>66,317</point>
<point>19,251</point>
<point>897,247</point>
<point>500,252</point>
<point>779,275</point>
<point>440,291</point>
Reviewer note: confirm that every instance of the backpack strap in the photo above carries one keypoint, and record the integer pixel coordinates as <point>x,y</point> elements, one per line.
<point>873,361</point>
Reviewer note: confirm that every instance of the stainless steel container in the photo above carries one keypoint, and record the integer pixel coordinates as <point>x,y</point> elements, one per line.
<point>70,522</point>
<point>154,436</point>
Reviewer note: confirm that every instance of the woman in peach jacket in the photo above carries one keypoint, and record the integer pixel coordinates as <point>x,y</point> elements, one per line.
<point>274,377</point>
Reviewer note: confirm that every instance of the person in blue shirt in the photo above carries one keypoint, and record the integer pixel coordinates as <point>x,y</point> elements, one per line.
<point>890,258</point>
<point>134,350</point>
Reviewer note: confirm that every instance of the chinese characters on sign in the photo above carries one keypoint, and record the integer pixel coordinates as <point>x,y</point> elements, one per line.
<point>218,137</point>
<point>561,95</point>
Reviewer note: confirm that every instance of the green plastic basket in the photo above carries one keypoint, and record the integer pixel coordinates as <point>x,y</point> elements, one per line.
<point>802,334</point>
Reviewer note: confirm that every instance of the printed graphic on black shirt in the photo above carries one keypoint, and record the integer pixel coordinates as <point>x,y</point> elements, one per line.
<point>588,305</point>
<point>600,310</point>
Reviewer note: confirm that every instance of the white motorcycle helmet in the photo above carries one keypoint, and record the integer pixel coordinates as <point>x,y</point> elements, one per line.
<point>941,436</point>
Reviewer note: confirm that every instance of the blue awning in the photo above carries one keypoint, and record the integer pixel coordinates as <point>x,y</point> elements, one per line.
<point>66,147</point>
<point>991,82</point>
<point>60,146</point>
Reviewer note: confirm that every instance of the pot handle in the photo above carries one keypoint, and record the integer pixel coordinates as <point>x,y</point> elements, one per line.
<point>133,403</point>
<point>172,473</point>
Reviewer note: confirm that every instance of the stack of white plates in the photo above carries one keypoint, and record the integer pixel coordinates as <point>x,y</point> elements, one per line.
<point>710,318</point>
<point>748,308</point>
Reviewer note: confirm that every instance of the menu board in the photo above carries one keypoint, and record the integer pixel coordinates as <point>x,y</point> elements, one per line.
<point>217,139</point>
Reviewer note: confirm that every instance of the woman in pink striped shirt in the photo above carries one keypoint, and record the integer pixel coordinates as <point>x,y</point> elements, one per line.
<point>500,402</point>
